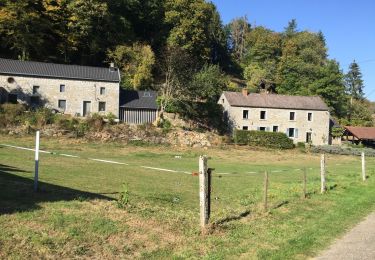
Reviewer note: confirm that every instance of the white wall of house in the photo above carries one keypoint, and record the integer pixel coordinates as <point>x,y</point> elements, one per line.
<point>75,93</point>
<point>297,129</point>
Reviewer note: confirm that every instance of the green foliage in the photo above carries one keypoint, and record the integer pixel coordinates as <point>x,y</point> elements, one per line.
<point>165,124</point>
<point>123,199</point>
<point>195,27</point>
<point>110,117</point>
<point>10,114</point>
<point>208,84</point>
<point>337,131</point>
<point>265,139</point>
<point>207,115</point>
<point>136,63</point>
<point>354,82</point>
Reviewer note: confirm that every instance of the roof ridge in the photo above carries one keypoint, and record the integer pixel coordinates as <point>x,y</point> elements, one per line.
<point>53,63</point>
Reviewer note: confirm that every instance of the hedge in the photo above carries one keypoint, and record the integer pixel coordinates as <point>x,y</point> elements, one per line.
<point>343,150</point>
<point>266,139</point>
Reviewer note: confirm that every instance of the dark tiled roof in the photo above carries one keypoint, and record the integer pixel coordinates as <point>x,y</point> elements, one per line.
<point>367,133</point>
<point>52,70</point>
<point>275,101</point>
<point>138,99</point>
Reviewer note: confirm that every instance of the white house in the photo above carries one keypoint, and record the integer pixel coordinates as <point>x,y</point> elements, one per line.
<point>301,118</point>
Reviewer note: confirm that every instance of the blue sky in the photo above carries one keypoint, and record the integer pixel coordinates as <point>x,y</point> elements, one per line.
<point>349,26</point>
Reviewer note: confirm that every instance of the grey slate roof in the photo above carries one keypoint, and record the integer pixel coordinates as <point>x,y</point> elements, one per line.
<point>275,101</point>
<point>52,70</point>
<point>138,99</point>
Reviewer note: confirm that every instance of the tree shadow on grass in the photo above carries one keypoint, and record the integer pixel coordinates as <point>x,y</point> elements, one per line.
<point>17,194</point>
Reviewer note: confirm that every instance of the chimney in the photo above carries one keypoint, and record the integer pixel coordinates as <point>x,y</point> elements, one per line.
<point>244,92</point>
<point>112,67</point>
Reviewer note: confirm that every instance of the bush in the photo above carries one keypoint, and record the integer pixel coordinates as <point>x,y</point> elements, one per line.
<point>10,114</point>
<point>265,139</point>
<point>165,124</point>
<point>343,150</point>
<point>39,117</point>
<point>95,121</point>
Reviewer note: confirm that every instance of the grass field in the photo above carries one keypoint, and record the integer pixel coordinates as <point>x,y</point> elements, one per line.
<point>75,214</point>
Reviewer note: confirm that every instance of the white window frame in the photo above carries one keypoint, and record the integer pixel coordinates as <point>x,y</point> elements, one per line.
<point>295,132</point>
<point>104,91</point>
<point>62,86</point>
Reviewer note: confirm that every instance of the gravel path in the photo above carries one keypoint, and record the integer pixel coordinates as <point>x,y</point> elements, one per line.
<point>358,243</point>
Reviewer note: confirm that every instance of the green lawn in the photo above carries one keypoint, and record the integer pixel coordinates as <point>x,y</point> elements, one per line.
<point>75,214</point>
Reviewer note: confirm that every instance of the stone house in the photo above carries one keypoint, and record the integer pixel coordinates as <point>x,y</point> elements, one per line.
<point>71,89</point>
<point>302,118</point>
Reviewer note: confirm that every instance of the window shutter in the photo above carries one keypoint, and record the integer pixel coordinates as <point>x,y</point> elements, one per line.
<point>287,132</point>
<point>296,133</point>
<point>267,129</point>
<point>258,128</point>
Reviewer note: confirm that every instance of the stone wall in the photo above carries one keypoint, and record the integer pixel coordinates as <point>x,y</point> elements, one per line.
<point>76,92</point>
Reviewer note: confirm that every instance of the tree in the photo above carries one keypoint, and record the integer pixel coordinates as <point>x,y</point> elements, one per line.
<point>303,56</point>
<point>330,86</point>
<point>208,84</point>
<point>195,26</point>
<point>291,29</point>
<point>136,63</point>
<point>238,28</point>
<point>177,68</point>
<point>354,82</point>
<point>23,28</point>
<point>87,26</point>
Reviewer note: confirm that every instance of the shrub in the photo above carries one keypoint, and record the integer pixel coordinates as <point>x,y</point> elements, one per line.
<point>123,199</point>
<point>39,117</point>
<point>165,124</point>
<point>261,138</point>
<point>10,114</point>
<point>343,150</point>
<point>95,121</point>
<point>111,118</point>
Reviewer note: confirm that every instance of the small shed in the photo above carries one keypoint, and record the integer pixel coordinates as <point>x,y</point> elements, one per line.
<point>358,134</point>
<point>138,107</point>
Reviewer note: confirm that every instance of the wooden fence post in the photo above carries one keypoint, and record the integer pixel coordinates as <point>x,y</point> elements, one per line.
<point>363,166</point>
<point>304,195</point>
<point>36,161</point>
<point>265,195</point>
<point>204,192</point>
<point>323,187</point>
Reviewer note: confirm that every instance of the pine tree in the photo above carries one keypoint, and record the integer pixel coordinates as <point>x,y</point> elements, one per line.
<point>291,29</point>
<point>354,82</point>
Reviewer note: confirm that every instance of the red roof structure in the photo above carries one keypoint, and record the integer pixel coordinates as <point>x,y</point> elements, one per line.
<point>361,133</point>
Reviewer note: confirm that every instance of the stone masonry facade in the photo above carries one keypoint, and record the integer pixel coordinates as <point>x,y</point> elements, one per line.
<point>52,92</point>
<point>307,126</point>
